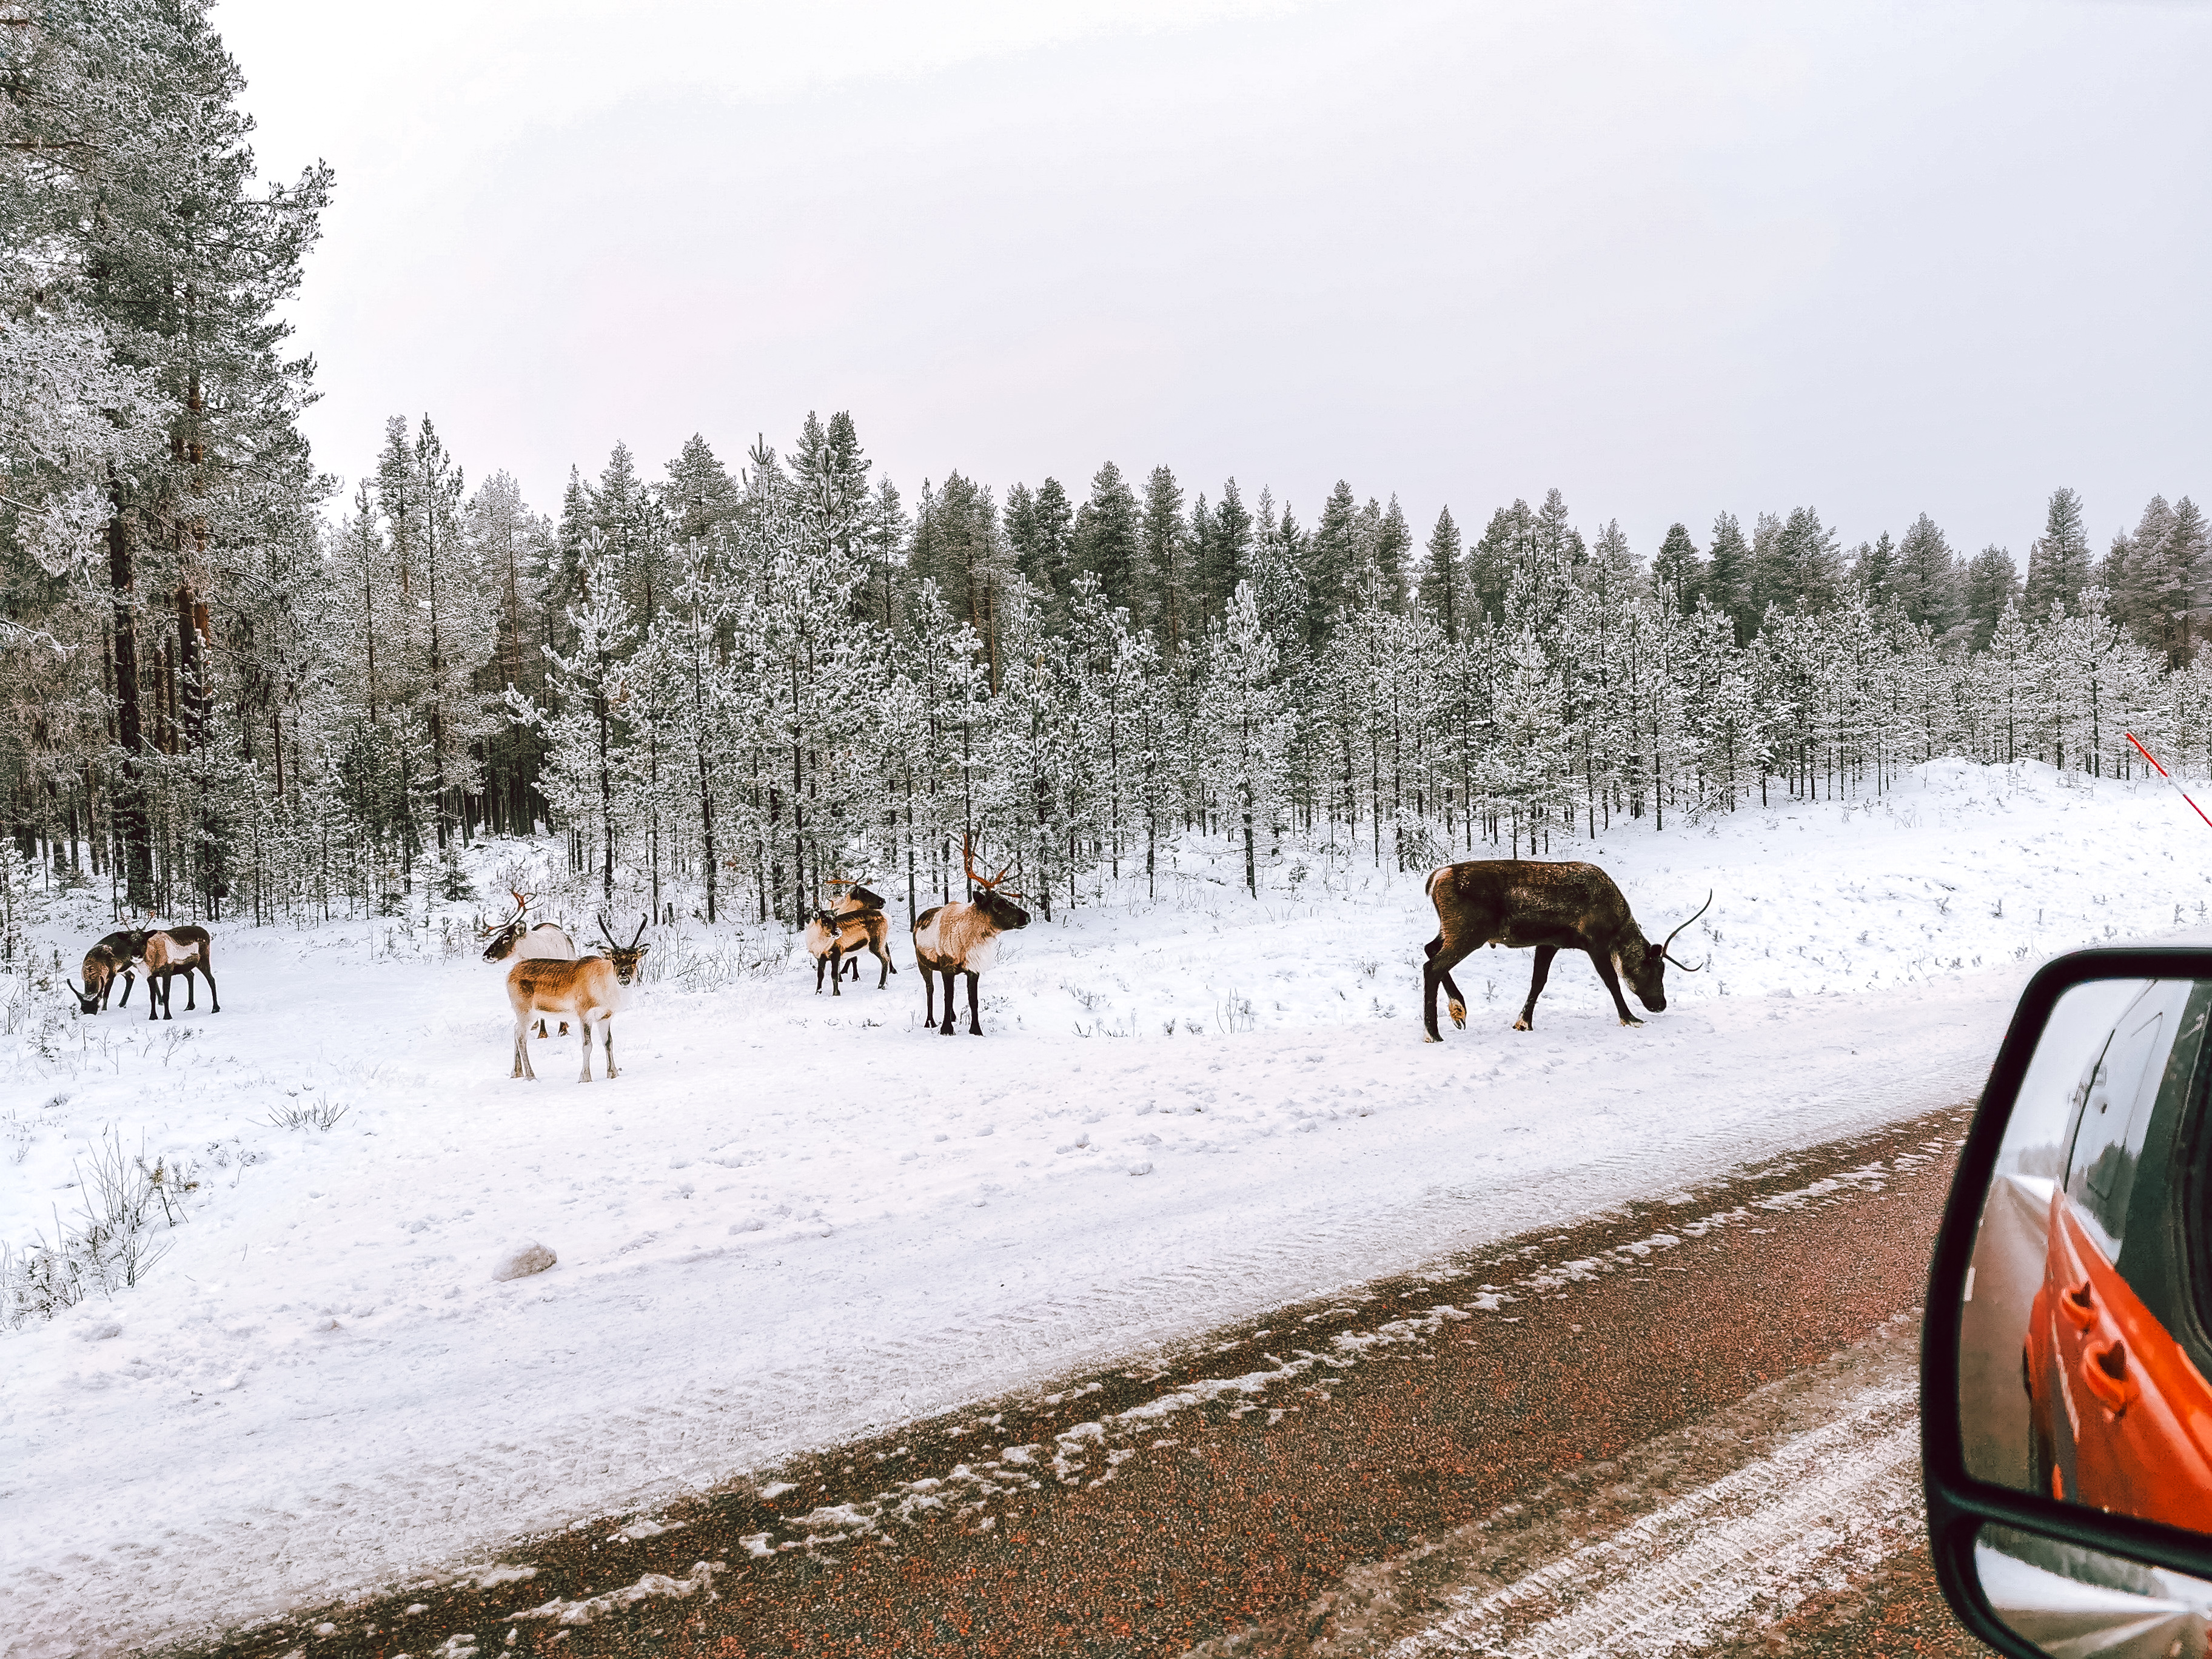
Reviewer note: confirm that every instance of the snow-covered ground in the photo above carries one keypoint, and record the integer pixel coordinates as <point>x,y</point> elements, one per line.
<point>794,1219</point>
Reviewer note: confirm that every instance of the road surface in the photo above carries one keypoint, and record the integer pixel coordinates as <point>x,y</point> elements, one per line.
<point>1686,1426</point>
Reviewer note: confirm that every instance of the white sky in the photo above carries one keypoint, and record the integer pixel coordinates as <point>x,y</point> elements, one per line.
<point>1672,259</point>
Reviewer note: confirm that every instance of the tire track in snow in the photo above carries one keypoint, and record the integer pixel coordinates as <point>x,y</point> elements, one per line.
<point>1828,1504</point>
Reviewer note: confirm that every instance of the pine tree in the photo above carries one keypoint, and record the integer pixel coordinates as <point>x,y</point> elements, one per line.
<point>1250,730</point>
<point>1331,562</point>
<point>1109,545</point>
<point>1925,581</point>
<point>1730,578</point>
<point>1991,583</point>
<point>1442,579</point>
<point>700,496</point>
<point>1505,543</point>
<point>1678,569</point>
<point>2059,561</point>
<point>1228,550</point>
<point>1873,570</point>
<point>1166,556</point>
<point>1394,544</point>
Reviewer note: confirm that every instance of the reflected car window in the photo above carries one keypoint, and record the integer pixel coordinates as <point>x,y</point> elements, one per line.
<point>2101,1172</point>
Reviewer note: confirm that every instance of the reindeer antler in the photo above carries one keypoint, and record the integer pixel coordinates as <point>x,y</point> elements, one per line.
<point>638,935</point>
<point>607,932</point>
<point>988,883</point>
<point>1701,910</point>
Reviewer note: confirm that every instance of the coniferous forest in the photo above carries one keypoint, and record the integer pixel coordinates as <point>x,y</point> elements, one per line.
<point>728,679</point>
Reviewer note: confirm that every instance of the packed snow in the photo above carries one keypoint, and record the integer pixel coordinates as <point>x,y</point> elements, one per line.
<point>794,1219</point>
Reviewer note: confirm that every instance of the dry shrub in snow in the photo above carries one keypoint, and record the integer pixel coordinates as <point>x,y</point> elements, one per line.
<point>126,1206</point>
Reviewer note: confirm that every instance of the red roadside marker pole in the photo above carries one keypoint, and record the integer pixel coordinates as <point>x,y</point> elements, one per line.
<point>2167,776</point>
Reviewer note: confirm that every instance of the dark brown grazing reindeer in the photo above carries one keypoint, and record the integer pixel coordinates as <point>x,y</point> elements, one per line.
<point>964,939</point>
<point>1519,903</point>
<point>111,959</point>
<point>178,950</point>
<point>849,926</point>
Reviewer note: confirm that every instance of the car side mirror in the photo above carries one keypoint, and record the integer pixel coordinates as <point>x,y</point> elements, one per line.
<point>2066,1413</point>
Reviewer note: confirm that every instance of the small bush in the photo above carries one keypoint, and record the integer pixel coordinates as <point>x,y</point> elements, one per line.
<point>316,1114</point>
<point>126,1206</point>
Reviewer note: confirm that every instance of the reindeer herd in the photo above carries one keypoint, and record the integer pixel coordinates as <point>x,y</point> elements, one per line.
<point>1517,903</point>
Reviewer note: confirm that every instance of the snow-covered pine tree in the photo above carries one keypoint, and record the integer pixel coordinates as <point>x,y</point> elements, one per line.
<point>1443,581</point>
<point>2058,561</point>
<point>1249,730</point>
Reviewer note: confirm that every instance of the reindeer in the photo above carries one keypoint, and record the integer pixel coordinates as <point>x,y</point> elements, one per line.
<point>111,957</point>
<point>589,987</point>
<point>1520,903</point>
<point>851,924</point>
<point>178,950</point>
<point>547,941</point>
<point>964,939</point>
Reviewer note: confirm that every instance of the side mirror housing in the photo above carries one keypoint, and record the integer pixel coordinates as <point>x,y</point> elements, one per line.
<point>2066,1413</point>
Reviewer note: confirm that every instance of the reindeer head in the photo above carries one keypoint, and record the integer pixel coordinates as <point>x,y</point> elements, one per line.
<point>625,958</point>
<point>87,1001</point>
<point>992,901</point>
<point>1646,967</point>
<point>505,937</point>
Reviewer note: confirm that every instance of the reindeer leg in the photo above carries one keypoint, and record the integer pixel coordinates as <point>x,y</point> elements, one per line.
<point>836,970</point>
<point>607,1037</point>
<point>214,1004</point>
<point>884,956</point>
<point>129,980</point>
<point>1438,971</point>
<point>1604,966</point>
<point>192,992</point>
<point>819,964</point>
<point>1544,955</point>
<point>928,996</point>
<point>584,1020</point>
<point>521,1046</point>
<point>975,1019</point>
<point>945,1029</point>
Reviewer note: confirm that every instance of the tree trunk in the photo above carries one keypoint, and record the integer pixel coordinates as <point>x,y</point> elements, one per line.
<point>129,807</point>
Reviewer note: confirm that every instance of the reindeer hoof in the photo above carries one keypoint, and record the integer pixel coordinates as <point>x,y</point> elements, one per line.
<point>1459,1015</point>
<point>1631,1020</point>
<point>1426,1037</point>
<point>1522,1026</point>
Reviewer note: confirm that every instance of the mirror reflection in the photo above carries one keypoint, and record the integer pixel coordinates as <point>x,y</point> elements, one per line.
<point>2084,1344</point>
<point>2074,1602</point>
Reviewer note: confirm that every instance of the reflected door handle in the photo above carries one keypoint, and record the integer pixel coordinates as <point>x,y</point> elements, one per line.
<point>2078,1305</point>
<point>2107,1374</point>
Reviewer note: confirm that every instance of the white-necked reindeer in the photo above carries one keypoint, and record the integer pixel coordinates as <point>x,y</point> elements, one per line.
<point>546,941</point>
<point>589,990</point>
<point>178,950</point>
<point>964,939</point>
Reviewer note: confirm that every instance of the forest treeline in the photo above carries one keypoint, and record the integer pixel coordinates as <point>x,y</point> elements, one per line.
<point>726,685</point>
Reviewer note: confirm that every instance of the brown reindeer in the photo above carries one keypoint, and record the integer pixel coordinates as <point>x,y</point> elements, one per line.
<point>964,939</point>
<point>107,961</point>
<point>849,926</point>
<point>588,988</point>
<point>1519,903</point>
<point>178,950</point>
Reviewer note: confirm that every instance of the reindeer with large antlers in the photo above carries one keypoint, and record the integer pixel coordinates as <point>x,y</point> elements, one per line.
<point>964,939</point>
<point>546,941</point>
<point>590,988</point>
<point>1519,903</point>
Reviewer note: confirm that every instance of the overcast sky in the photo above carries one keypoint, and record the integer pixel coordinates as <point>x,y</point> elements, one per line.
<point>1672,259</point>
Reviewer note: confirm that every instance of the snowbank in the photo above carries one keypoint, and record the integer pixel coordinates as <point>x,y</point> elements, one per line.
<point>794,1218</point>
